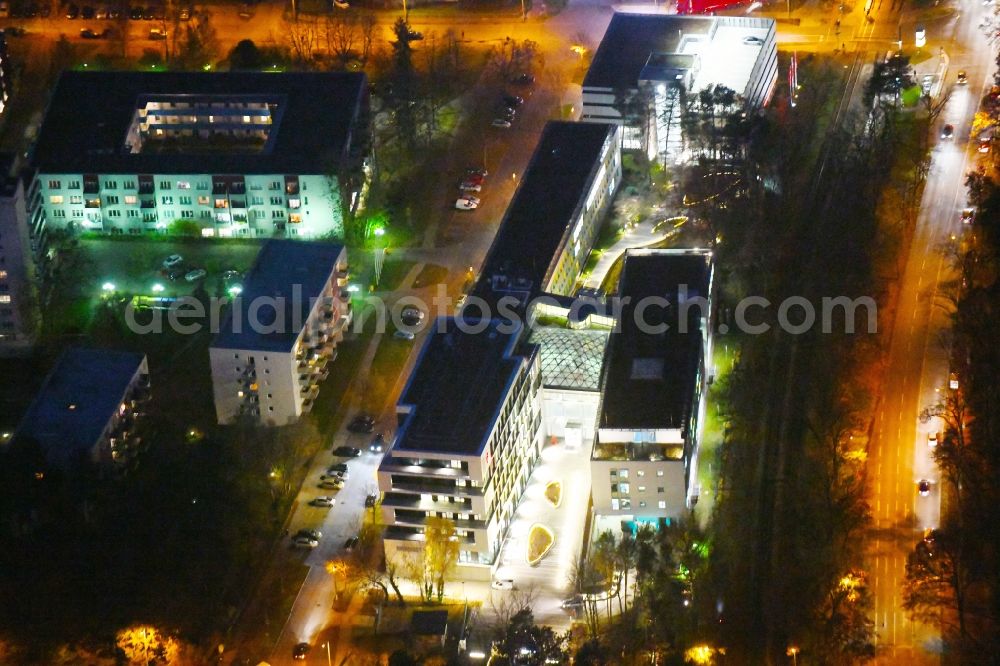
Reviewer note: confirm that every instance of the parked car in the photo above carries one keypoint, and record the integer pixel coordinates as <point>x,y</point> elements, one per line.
<point>324,501</point>
<point>476,171</point>
<point>346,452</point>
<point>400,334</point>
<point>362,423</point>
<point>378,443</point>
<point>338,468</point>
<point>750,40</point>
<point>469,186</point>
<point>412,316</point>
<point>932,439</point>
<point>305,542</point>
<point>924,487</point>
<point>195,275</point>
<point>173,260</point>
<point>502,584</point>
<point>331,484</point>
<point>102,14</point>
<point>72,11</point>
<point>300,651</point>
<point>474,178</point>
<point>157,34</point>
<point>962,78</point>
<point>370,500</point>
<point>14,31</point>
<point>513,100</point>
<point>984,144</point>
<point>245,12</point>
<point>148,14</point>
<point>312,534</point>
<point>500,123</point>
<point>4,9</point>
<point>87,12</point>
<point>184,14</point>
<point>135,13</point>
<point>576,601</point>
<point>466,203</point>
<point>351,543</point>
<point>523,80</point>
<point>948,131</point>
<point>341,4</point>
<point>968,215</point>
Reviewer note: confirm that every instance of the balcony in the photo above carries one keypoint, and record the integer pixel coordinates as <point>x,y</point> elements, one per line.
<point>434,488</point>
<point>310,393</point>
<point>147,203</point>
<point>307,406</point>
<point>646,451</point>
<point>407,501</point>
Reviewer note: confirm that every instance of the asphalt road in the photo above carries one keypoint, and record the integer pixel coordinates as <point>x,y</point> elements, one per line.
<point>918,363</point>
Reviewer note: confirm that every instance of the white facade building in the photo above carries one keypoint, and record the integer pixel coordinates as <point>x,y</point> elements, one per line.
<point>281,333</point>
<point>18,289</point>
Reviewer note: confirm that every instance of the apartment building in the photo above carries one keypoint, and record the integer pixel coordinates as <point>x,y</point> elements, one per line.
<point>237,154</point>
<point>19,310</point>
<point>469,435</point>
<point>86,414</point>
<point>280,335</point>
<point>550,225</point>
<point>652,398</point>
<point>646,63</point>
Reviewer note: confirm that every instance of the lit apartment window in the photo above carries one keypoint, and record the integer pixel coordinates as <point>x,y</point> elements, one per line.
<point>642,489</point>
<point>167,201</point>
<point>131,199</point>
<point>642,505</point>
<point>204,200</point>
<point>659,472</point>
<point>615,505</point>
<point>183,185</point>
<point>56,199</point>
<point>662,504</point>
<point>4,298</point>
<point>3,275</point>
<point>293,203</point>
<point>221,203</point>
<point>640,473</point>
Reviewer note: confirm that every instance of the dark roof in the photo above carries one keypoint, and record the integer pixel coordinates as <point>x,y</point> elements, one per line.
<point>651,378</point>
<point>456,387</point>
<point>89,114</point>
<point>295,271</point>
<point>79,397</point>
<point>537,220</point>
<point>429,622</point>
<point>631,39</point>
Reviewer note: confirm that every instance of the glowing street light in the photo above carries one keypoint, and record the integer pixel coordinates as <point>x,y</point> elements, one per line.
<point>793,652</point>
<point>158,288</point>
<point>108,287</point>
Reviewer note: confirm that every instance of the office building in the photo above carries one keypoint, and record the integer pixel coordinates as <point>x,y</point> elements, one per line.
<point>19,310</point>
<point>86,414</point>
<point>646,63</point>
<point>280,335</point>
<point>469,435</point>
<point>550,225</point>
<point>644,458</point>
<point>238,154</point>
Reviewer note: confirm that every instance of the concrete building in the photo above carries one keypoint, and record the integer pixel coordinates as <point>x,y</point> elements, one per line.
<point>643,460</point>
<point>469,435</point>
<point>86,413</point>
<point>647,62</point>
<point>238,154</point>
<point>6,75</point>
<point>281,333</point>
<point>550,225</point>
<point>19,310</point>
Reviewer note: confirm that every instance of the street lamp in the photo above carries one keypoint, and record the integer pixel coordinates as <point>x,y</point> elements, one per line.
<point>329,662</point>
<point>793,652</point>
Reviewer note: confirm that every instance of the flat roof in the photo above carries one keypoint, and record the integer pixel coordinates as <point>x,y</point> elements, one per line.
<point>537,220</point>
<point>279,291</point>
<point>456,388</point>
<point>90,113</point>
<point>633,40</point>
<point>570,359</point>
<point>651,378</point>
<point>78,398</point>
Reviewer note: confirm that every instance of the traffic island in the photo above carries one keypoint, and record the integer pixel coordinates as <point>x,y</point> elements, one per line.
<point>540,540</point>
<point>553,493</point>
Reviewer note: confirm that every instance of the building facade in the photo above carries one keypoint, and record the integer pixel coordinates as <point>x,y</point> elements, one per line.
<point>238,154</point>
<point>469,435</point>
<point>87,413</point>
<point>646,63</point>
<point>19,311</point>
<point>281,334</point>
<point>652,399</point>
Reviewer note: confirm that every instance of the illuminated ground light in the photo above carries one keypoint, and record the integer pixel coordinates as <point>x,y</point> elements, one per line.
<point>553,493</point>
<point>540,541</point>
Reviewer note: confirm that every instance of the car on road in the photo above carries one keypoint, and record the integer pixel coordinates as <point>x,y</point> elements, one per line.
<point>102,14</point>
<point>337,468</point>
<point>370,500</point>
<point>523,80</point>
<point>300,651</point>
<point>932,439</point>
<point>968,215</point>
<point>346,452</point>
<point>316,535</point>
<point>378,443</point>
<point>195,275</point>
<point>502,584</point>
<point>400,334</point>
<point>157,34</point>
<point>470,186</point>
<point>984,144</point>
<point>962,78</point>
<point>87,33</point>
<point>305,542</point>
<point>466,203</point>
<point>362,423</point>
<point>331,483</point>
<point>411,316</point>
<point>948,131</point>
<point>324,501</point>
<point>476,171</point>
<point>924,487</point>
<point>173,260</point>
<point>341,4</point>
<point>351,543</point>
<point>512,100</point>
<point>750,40</point>
<point>135,13</point>
<point>72,12</point>
<point>13,31</point>
<point>474,178</point>
<point>576,601</point>
<point>500,123</point>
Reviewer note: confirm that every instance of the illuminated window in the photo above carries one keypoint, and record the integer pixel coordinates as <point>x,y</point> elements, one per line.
<point>4,298</point>
<point>131,199</point>
<point>56,199</point>
<point>662,504</point>
<point>221,203</point>
<point>183,185</point>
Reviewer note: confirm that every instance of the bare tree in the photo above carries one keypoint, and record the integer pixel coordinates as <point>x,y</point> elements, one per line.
<point>302,38</point>
<point>342,34</point>
<point>368,26</point>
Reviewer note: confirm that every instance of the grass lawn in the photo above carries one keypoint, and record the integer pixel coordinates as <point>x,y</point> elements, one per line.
<point>393,272</point>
